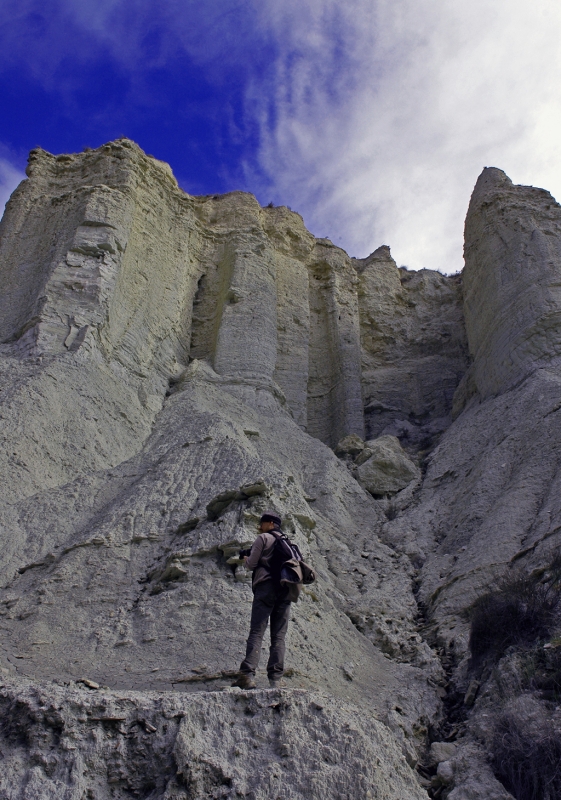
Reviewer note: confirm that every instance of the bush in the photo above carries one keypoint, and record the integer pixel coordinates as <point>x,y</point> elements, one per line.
<point>526,750</point>
<point>547,671</point>
<point>520,611</point>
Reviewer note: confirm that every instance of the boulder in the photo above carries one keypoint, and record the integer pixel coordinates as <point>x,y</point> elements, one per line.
<point>442,751</point>
<point>350,445</point>
<point>389,469</point>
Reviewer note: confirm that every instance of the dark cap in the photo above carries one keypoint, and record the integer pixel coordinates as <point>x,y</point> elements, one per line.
<point>270,516</point>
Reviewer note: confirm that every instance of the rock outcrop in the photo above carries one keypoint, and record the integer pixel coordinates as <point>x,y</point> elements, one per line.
<point>78,743</point>
<point>171,367</point>
<point>414,349</point>
<point>511,280</point>
<point>489,503</point>
<point>384,468</point>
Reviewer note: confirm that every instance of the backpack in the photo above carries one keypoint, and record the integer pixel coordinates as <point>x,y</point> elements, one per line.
<point>283,551</point>
<point>287,566</point>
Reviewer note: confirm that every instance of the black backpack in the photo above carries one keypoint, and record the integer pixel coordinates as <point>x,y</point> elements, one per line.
<point>283,551</point>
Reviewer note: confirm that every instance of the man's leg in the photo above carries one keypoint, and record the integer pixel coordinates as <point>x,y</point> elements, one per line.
<point>263,602</point>
<point>279,625</point>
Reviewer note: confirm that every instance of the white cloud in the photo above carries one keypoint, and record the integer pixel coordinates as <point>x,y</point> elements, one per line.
<point>10,177</point>
<point>385,112</point>
<point>375,116</point>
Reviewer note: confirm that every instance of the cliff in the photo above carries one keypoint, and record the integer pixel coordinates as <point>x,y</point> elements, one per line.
<point>171,367</point>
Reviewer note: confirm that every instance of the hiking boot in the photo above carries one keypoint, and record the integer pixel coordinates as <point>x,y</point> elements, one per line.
<point>276,683</point>
<point>244,681</point>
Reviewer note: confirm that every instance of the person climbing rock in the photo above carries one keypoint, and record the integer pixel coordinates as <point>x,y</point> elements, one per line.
<point>270,600</point>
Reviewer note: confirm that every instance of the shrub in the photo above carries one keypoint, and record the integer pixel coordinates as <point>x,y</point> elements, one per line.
<point>519,611</point>
<point>546,675</point>
<point>526,750</point>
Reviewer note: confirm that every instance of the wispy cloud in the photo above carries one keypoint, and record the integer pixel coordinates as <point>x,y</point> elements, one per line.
<point>372,118</point>
<point>136,34</point>
<point>429,92</point>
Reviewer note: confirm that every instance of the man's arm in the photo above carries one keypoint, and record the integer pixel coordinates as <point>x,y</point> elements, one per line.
<point>252,560</point>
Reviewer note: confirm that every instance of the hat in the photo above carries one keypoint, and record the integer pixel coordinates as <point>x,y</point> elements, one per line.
<point>271,516</point>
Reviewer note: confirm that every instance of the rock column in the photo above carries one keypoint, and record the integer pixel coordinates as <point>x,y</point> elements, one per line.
<point>335,407</point>
<point>246,345</point>
<point>512,281</point>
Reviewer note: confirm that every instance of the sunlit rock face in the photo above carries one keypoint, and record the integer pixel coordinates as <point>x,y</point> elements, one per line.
<point>102,251</point>
<point>491,492</point>
<point>489,504</point>
<point>171,367</point>
<point>511,282</point>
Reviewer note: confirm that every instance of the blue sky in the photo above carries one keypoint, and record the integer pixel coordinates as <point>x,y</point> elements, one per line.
<point>372,118</point>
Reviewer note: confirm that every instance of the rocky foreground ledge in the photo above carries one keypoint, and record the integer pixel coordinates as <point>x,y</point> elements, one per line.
<point>74,743</point>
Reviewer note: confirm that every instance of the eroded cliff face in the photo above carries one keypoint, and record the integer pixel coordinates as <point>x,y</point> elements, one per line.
<point>511,280</point>
<point>489,504</point>
<point>414,349</point>
<point>171,367</point>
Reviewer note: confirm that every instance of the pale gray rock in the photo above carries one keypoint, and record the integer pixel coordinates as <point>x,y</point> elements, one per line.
<point>173,366</point>
<point>293,742</point>
<point>490,497</point>
<point>164,361</point>
<point>384,467</point>
<point>65,742</point>
<point>442,751</point>
<point>350,445</point>
<point>472,777</point>
<point>414,349</point>
<point>511,282</point>
<point>445,773</point>
<point>490,494</point>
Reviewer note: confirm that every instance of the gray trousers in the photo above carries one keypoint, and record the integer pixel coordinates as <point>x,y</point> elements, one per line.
<point>268,601</point>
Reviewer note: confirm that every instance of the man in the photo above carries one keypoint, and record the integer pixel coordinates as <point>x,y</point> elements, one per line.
<point>269,600</point>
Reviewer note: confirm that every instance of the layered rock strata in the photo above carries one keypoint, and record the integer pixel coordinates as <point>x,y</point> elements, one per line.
<point>414,349</point>
<point>490,494</point>
<point>102,251</point>
<point>489,503</point>
<point>511,280</point>
<point>172,366</point>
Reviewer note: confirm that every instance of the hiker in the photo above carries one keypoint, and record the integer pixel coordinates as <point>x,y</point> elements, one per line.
<point>270,599</point>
